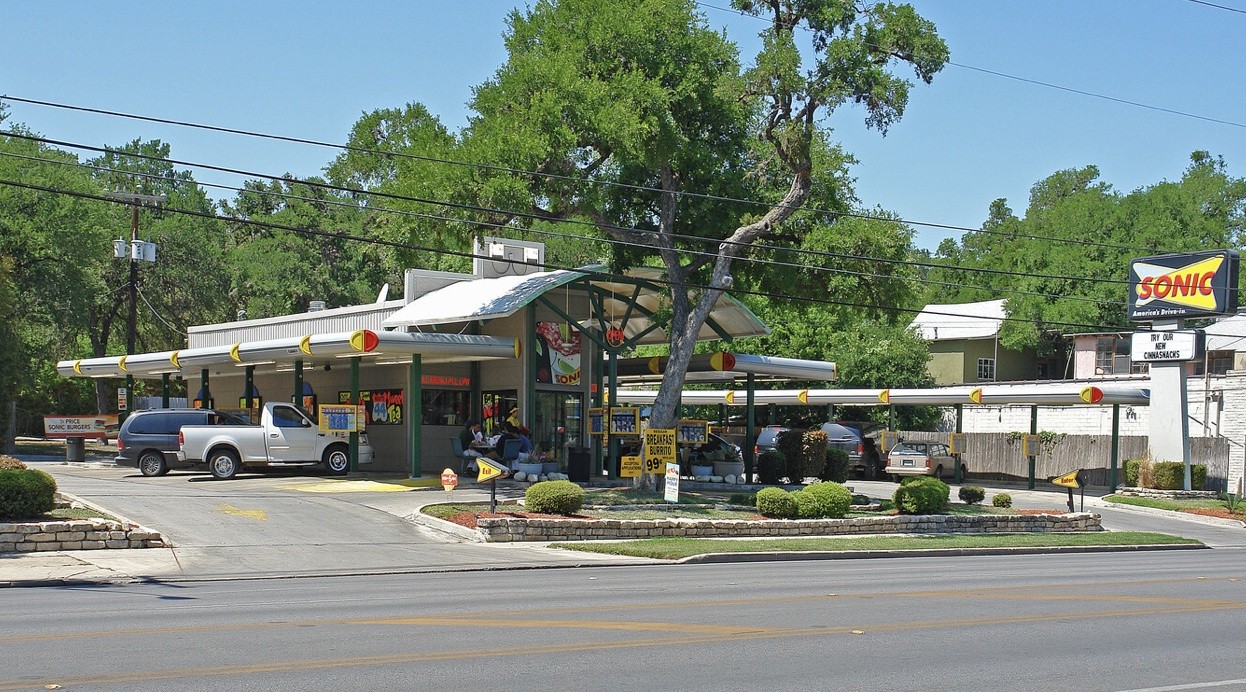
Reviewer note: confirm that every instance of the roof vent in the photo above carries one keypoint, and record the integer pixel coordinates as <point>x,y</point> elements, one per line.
<point>316,306</point>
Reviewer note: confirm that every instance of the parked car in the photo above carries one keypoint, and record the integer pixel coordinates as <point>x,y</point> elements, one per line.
<point>284,438</point>
<point>768,439</point>
<point>147,439</point>
<point>922,459</point>
<point>863,458</point>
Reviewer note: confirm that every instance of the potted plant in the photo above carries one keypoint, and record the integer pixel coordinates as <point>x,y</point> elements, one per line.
<point>727,463</point>
<point>701,464</point>
<point>549,464</point>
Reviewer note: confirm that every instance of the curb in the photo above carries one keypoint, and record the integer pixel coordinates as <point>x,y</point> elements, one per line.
<point>722,558</point>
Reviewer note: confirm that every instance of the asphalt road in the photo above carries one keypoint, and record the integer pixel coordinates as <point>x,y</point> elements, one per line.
<point>1094,622</point>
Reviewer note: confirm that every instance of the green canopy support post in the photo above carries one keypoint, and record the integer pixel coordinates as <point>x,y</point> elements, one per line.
<point>206,401</point>
<point>527,408</point>
<point>354,399</point>
<point>164,390</point>
<point>1033,431</point>
<point>415,412</point>
<point>599,366</point>
<point>750,434</point>
<point>960,410</point>
<point>297,397</point>
<point>722,414</point>
<point>1116,447</point>
<point>613,456</point>
<point>248,384</point>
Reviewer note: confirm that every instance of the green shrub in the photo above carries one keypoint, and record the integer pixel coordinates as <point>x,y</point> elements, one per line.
<point>835,468</point>
<point>1170,475</point>
<point>26,493</point>
<point>827,499</point>
<point>790,443</point>
<point>924,495</point>
<point>813,445</point>
<point>971,494</point>
<point>554,497</point>
<point>771,468</point>
<point>742,499</point>
<point>776,503</point>
<point>1001,500</point>
<point>8,463</point>
<point>1131,472</point>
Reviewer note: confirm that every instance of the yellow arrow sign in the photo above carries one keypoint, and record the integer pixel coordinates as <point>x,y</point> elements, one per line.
<point>305,344</point>
<point>730,397</point>
<point>976,395</point>
<point>803,396</point>
<point>1072,479</point>
<point>121,363</point>
<point>885,396</point>
<point>490,470</point>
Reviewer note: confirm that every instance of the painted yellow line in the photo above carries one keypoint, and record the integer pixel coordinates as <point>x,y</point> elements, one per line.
<point>362,486</point>
<point>257,514</point>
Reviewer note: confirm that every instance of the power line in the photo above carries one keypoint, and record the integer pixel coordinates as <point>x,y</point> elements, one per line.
<point>695,195</point>
<point>456,253</point>
<point>1219,7</point>
<point>489,210</point>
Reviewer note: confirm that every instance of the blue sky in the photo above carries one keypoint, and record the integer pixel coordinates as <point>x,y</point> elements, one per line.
<point>310,70</point>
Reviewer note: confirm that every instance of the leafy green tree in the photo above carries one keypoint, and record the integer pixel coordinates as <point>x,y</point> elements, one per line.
<point>633,104</point>
<point>300,241</point>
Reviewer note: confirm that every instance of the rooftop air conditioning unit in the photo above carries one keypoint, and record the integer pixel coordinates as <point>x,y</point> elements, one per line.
<point>495,257</point>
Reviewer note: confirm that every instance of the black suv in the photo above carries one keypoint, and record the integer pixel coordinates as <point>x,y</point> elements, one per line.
<point>148,439</point>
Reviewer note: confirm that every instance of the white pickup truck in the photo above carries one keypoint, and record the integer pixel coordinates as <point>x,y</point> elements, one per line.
<point>284,438</point>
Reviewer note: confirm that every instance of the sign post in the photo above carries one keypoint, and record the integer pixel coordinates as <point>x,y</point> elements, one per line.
<point>1165,290</point>
<point>671,494</point>
<point>490,471</point>
<point>1070,480</point>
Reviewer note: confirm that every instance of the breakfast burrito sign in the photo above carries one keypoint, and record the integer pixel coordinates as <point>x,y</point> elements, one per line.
<point>557,353</point>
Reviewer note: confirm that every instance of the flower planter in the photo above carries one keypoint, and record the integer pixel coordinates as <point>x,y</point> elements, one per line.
<point>702,470</point>
<point>530,469</point>
<point>548,467</point>
<point>728,468</point>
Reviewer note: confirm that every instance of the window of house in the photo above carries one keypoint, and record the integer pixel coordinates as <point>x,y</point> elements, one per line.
<point>1218,362</point>
<point>1112,356</point>
<point>986,369</point>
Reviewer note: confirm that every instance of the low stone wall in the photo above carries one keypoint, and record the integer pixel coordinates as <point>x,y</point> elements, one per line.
<point>75,534</point>
<point>504,530</point>
<point>1169,494</point>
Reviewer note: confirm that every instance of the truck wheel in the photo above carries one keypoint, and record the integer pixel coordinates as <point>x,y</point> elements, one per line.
<point>337,460</point>
<point>223,463</point>
<point>151,463</point>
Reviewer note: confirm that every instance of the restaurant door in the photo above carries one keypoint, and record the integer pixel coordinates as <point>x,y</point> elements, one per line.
<point>558,424</point>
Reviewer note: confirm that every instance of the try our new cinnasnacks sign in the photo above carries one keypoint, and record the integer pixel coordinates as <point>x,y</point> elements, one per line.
<point>1175,287</point>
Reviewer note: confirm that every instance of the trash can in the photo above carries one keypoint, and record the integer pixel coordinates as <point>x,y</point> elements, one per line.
<point>579,463</point>
<point>75,449</point>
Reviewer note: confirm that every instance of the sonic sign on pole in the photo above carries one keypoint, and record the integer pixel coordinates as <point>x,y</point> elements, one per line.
<point>1165,290</point>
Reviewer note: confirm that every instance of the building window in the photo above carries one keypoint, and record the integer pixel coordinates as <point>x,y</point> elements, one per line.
<point>1112,356</point>
<point>445,407</point>
<point>1217,362</point>
<point>986,369</point>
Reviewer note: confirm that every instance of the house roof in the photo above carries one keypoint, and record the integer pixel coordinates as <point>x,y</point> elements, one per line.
<point>1227,334</point>
<point>956,321</point>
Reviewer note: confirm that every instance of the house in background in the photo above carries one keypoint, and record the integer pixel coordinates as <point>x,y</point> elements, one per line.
<point>964,344</point>
<point>1107,354</point>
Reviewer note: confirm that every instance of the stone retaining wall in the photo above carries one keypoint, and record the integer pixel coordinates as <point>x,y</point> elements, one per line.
<point>75,534</point>
<point>1169,494</point>
<point>516,529</point>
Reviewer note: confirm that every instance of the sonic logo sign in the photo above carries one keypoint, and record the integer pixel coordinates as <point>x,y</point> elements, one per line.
<point>1170,287</point>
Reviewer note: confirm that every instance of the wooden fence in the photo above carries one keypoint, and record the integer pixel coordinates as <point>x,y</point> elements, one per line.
<point>997,456</point>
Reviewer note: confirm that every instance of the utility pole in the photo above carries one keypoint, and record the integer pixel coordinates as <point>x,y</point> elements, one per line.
<point>135,250</point>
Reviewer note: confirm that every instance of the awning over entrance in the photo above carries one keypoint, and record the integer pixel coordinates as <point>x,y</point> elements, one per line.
<point>375,346</point>
<point>638,297</point>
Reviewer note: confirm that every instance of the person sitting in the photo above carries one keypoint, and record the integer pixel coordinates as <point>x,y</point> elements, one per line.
<point>473,441</point>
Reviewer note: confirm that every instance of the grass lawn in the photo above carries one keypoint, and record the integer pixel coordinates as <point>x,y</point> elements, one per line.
<point>678,548</point>
<point>1208,507</point>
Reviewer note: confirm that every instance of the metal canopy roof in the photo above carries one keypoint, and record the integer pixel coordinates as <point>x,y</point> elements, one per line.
<point>433,348</point>
<point>638,296</point>
<point>1054,394</point>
